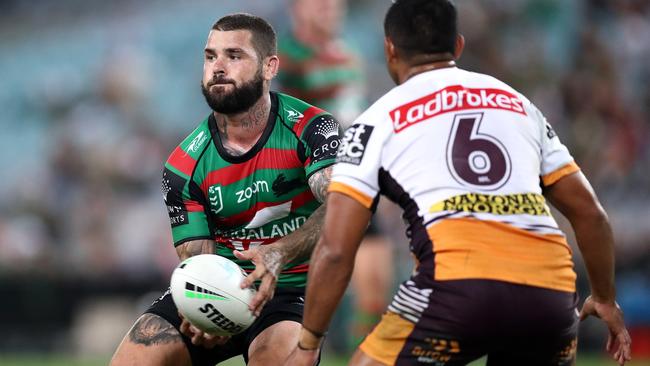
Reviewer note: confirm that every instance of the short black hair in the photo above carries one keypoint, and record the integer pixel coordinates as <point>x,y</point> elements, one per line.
<point>264,38</point>
<point>421,27</point>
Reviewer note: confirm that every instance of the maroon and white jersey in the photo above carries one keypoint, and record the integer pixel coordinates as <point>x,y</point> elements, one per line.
<point>465,156</point>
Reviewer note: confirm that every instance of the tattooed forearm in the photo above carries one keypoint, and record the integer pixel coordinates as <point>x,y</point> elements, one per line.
<point>195,247</point>
<point>319,182</point>
<point>151,329</point>
<point>299,244</point>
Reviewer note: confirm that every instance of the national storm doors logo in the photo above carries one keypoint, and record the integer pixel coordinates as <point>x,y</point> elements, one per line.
<point>216,200</point>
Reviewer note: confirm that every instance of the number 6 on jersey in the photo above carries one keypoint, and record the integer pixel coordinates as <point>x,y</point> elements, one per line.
<point>476,159</point>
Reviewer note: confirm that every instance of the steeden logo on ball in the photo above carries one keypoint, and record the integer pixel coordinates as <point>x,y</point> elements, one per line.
<point>205,288</point>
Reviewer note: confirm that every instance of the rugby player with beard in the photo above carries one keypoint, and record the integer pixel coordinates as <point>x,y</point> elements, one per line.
<point>246,184</point>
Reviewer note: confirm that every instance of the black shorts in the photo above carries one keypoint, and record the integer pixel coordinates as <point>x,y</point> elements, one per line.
<point>286,304</point>
<point>455,322</point>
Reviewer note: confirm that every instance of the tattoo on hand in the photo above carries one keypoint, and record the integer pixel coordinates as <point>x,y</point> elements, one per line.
<point>319,182</point>
<point>151,329</point>
<point>273,262</point>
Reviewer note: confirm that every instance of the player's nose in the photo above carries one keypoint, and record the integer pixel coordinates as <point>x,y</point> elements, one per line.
<point>218,67</point>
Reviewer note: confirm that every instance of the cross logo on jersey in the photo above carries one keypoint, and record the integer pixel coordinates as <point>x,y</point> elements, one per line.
<point>214,196</point>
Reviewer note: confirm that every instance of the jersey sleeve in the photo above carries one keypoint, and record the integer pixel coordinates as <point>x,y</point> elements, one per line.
<point>358,162</point>
<point>185,205</point>
<point>321,139</point>
<point>556,161</point>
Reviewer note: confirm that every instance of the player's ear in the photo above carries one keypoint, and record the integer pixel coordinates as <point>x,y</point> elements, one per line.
<point>460,45</point>
<point>271,65</point>
<point>389,50</point>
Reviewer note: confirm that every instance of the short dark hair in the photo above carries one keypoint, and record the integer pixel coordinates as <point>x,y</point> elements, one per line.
<point>264,38</point>
<point>420,27</point>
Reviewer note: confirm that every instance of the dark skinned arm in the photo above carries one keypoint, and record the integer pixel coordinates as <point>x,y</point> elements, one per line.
<point>576,200</point>
<point>329,274</point>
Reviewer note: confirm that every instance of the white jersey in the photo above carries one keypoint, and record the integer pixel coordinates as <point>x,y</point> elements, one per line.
<point>465,156</point>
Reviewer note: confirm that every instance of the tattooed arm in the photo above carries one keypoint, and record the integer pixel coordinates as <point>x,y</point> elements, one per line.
<point>319,181</point>
<point>300,243</point>
<point>152,330</point>
<point>195,247</point>
<point>269,259</point>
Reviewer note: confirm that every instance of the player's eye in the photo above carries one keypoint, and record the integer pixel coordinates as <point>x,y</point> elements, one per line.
<point>209,57</point>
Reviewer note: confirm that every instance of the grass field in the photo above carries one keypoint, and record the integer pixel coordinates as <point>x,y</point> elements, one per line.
<point>60,360</point>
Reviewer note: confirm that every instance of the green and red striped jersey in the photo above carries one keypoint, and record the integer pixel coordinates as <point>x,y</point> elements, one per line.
<point>255,198</point>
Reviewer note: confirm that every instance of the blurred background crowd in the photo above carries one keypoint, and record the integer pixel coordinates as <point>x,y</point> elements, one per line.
<point>94,95</point>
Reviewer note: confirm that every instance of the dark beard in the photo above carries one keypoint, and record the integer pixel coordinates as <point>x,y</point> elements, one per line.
<point>237,101</point>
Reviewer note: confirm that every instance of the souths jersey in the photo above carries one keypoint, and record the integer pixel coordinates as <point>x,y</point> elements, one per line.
<point>466,157</point>
<point>256,198</point>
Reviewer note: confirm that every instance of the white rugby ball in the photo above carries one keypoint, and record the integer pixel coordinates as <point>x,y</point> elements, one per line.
<point>206,291</point>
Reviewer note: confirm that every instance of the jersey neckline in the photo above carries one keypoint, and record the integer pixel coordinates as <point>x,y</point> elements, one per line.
<point>235,159</point>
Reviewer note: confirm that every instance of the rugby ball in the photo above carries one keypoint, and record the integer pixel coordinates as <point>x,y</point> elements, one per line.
<point>206,291</point>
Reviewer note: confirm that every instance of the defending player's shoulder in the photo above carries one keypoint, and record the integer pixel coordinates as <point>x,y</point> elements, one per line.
<point>378,114</point>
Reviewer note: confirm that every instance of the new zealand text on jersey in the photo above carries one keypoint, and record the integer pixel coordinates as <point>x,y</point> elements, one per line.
<point>275,231</point>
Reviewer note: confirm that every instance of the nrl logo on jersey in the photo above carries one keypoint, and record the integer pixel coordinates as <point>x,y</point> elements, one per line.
<point>293,115</point>
<point>197,142</point>
<point>215,198</point>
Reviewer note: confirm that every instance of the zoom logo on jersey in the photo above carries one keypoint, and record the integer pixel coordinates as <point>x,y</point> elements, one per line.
<point>247,193</point>
<point>453,98</point>
<point>353,144</point>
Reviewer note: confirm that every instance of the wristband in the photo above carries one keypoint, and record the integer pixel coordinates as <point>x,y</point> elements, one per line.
<point>310,340</point>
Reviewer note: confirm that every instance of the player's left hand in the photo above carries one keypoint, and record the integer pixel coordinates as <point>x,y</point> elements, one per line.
<point>200,338</point>
<point>301,357</point>
<point>268,260</point>
<point>619,341</point>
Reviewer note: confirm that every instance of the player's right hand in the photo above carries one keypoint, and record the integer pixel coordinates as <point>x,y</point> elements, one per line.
<point>619,341</point>
<point>200,338</point>
<point>268,260</point>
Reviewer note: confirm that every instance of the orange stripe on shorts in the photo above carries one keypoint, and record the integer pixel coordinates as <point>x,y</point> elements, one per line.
<point>386,341</point>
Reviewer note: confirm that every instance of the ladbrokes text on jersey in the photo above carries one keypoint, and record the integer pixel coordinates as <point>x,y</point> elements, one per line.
<point>450,99</point>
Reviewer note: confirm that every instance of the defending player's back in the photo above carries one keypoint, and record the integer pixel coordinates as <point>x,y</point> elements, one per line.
<point>467,163</point>
<point>471,162</point>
